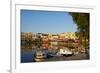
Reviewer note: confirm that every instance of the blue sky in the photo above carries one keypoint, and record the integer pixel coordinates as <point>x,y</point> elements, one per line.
<point>46,22</point>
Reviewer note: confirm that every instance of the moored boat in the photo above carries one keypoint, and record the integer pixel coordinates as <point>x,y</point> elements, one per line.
<point>40,55</point>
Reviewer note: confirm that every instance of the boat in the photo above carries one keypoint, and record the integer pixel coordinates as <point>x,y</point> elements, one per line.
<point>65,52</point>
<point>40,55</point>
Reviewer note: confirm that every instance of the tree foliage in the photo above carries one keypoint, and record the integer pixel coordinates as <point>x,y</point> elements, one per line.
<point>82,22</point>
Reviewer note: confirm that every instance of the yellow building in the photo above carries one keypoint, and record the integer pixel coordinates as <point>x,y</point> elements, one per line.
<point>68,35</point>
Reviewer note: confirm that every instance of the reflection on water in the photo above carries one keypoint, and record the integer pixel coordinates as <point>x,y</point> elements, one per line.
<point>30,56</point>
<point>27,57</point>
<point>42,51</point>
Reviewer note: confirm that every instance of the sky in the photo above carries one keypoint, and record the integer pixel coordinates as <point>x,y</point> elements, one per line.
<point>46,22</point>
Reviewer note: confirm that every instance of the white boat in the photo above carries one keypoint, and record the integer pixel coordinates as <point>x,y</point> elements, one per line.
<point>65,51</point>
<point>40,56</point>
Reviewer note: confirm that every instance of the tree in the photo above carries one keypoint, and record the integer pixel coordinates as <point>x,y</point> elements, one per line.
<point>82,22</point>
